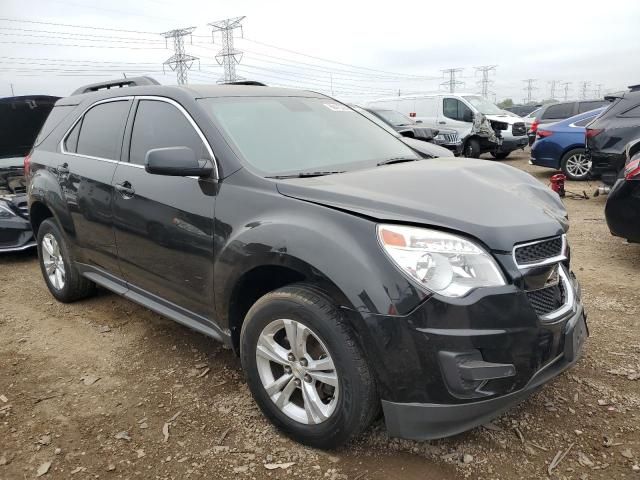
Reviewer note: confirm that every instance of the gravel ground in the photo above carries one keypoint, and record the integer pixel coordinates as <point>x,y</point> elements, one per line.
<point>106,389</point>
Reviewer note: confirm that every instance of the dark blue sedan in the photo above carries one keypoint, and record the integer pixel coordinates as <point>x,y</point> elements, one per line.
<point>561,146</point>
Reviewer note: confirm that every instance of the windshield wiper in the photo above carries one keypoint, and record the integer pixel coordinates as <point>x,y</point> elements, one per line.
<point>398,160</point>
<point>307,174</point>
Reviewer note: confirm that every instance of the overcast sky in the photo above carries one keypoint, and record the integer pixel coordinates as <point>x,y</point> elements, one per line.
<point>379,48</point>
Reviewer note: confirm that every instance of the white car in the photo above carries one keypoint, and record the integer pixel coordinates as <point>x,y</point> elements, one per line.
<point>481,124</point>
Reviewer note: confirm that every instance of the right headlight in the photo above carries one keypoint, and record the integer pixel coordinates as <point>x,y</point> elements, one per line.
<point>444,263</point>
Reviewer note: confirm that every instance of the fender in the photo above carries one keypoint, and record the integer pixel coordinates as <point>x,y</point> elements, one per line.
<point>309,239</point>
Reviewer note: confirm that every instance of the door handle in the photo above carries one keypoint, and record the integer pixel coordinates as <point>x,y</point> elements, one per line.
<point>62,169</point>
<point>442,123</point>
<point>125,189</point>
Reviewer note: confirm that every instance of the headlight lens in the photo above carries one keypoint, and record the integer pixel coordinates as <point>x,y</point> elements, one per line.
<point>446,264</point>
<point>6,212</point>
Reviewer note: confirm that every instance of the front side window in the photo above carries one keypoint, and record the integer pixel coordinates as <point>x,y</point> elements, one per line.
<point>102,130</point>
<point>483,106</point>
<point>159,124</point>
<point>558,111</point>
<point>283,135</point>
<point>456,110</point>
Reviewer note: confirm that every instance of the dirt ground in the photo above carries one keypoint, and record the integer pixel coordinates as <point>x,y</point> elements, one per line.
<point>104,388</point>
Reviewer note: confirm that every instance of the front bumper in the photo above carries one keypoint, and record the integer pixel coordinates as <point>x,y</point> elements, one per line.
<point>452,364</point>
<point>15,234</point>
<point>509,144</point>
<point>427,421</point>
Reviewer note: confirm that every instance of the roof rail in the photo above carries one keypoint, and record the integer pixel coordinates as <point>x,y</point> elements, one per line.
<point>247,82</point>
<point>119,83</point>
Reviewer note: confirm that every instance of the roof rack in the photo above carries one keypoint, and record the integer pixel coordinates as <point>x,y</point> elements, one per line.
<point>247,82</point>
<point>119,83</point>
<point>634,88</point>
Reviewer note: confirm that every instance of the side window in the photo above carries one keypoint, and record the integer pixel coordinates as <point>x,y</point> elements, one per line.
<point>71,142</point>
<point>559,111</point>
<point>632,113</point>
<point>586,106</point>
<point>159,124</point>
<point>102,129</point>
<point>456,110</point>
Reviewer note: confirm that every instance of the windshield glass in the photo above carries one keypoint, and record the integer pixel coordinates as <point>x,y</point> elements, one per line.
<point>483,106</point>
<point>394,118</point>
<point>283,135</point>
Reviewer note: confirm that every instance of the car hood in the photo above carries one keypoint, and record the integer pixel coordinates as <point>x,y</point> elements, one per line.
<point>495,203</point>
<point>426,148</point>
<point>505,119</point>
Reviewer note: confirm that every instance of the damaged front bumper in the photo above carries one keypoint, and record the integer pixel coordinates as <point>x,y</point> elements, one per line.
<point>15,229</point>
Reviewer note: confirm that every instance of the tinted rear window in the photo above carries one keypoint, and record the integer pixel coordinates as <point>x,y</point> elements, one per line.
<point>102,130</point>
<point>591,105</point>
<point>21,118</point>
<point>559,111</point>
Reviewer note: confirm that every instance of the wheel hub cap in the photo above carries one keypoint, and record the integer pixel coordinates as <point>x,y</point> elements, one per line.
<point>52,260</point>
<point>297,371</point>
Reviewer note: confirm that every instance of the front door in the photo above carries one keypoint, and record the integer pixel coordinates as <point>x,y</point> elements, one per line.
<point>455,114</point>
<point>164,224</point>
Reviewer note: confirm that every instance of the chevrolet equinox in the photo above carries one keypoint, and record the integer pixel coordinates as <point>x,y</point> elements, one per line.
<point>350,275</point>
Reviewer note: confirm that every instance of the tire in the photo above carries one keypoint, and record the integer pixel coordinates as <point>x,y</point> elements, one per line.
<point>575,165</point>
<point>500,155</point>
<point>472,148</point>
<point>348,407</point>
<point>64,282</point>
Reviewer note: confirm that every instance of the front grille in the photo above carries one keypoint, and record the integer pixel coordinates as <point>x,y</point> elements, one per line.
<point>539,251</point>
<point>547,300</point>
<point>519,129</point>
<point>449,137</point>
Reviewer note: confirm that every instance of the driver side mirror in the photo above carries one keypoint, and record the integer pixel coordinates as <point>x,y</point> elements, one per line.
<point>177,162</point>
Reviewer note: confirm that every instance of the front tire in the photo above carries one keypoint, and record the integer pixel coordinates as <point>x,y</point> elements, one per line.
<point>575,166</point>
<point>304,368</point>
<point>60,273</point>
<point>472,148</point>
<point>500,155</point>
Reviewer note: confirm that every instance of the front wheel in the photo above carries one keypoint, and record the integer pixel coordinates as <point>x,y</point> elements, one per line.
<point>575,165</point>
<point>472,148</point>
<point>304,368</point>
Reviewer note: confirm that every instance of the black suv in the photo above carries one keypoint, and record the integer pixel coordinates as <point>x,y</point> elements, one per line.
<point>346,271</point>
<point>609,134</point>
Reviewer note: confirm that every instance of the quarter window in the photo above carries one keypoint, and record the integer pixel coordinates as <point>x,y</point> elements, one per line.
<point>159,124</point>
<point>71,143</point>
<point>456,110</point>
<point>102,129</point>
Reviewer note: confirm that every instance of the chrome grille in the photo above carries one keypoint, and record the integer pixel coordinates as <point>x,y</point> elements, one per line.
<point>449,137</point>
<point>539,252</point>
<point>547,300</point>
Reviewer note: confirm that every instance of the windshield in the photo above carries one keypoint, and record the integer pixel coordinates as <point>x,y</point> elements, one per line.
<point>283,135</point>
<point>483,106</point>
<point>377,120</point>
<point>393,118</point>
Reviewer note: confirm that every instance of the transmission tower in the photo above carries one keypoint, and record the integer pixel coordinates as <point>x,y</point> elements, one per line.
<point>599,89</point>
<point>552,88</point>
<point>485,82</point>
<point>583,89</point>
<point>530,88</point>
<point>565,87</point>
<point>228,56</point>
<point>179,62</point>
<point>452,83</point>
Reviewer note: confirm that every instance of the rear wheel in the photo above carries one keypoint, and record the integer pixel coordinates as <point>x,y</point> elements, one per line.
<point>60,274</point>
<point>304,368</point>
<point>575,165</point>
<point>472,148</point>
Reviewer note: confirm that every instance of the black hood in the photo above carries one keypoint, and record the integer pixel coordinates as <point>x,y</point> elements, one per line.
<point>495,203</point>
<point>20,121</point>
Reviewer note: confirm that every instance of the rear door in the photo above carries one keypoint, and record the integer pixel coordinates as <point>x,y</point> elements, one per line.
<point>90,152</point>
<point>164,224</point>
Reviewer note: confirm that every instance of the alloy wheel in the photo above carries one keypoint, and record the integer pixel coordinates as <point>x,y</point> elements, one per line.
<point>52,260</point>
<point>578,165</point>
<point>297,371</point>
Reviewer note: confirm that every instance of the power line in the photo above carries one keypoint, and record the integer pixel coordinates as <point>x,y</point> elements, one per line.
<point>180,61</point>
<point>5,19</point>
<point>77,34</point>
<point>530,88</point>
<point>129,41</point>
<point>452,83</point>
<point>485,82</point>
<point>228,56</point>
<point>50,44</point>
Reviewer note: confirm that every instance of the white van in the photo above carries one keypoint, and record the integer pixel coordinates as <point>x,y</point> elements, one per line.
<point>482,125</point>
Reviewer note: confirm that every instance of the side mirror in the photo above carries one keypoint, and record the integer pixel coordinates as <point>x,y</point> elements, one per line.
<point>177,162</point>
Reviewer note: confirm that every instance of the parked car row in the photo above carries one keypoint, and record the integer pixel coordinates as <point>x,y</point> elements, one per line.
<point>326,253</point>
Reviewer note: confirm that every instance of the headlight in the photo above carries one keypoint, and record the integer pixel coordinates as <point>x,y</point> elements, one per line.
<point>6,212</point>
<point>443,263</point>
